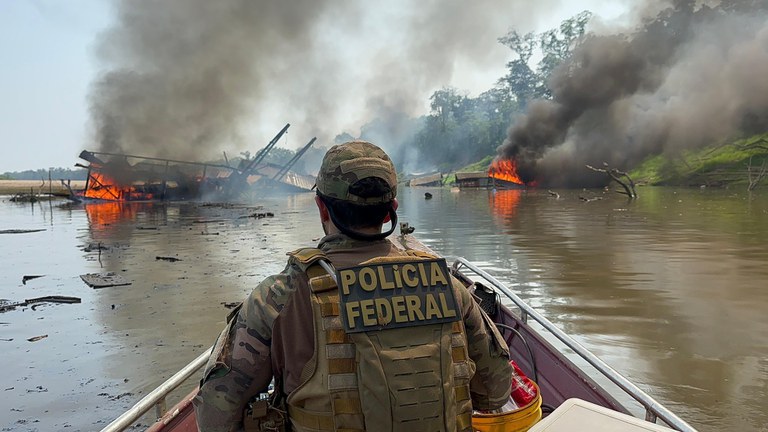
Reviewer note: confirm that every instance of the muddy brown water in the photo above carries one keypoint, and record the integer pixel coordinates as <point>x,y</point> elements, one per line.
<point>671,289</point>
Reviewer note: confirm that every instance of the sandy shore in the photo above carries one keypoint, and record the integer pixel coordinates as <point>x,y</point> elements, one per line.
<point>10,187</point>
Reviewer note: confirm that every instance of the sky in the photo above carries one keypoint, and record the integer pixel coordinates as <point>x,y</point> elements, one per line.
<point>52,60</point>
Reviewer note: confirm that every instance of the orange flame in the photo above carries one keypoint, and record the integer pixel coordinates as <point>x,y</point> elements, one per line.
<point>103,187</point>
<point>504,169</point>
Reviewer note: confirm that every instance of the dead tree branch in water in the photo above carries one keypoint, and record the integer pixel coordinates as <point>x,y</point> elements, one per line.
<point>754,181</point>
<point>616,175</point>
<point>47,299</point>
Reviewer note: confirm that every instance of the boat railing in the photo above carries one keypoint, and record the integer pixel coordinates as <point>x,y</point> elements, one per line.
<point>653,409</point>
<point>157,397</point>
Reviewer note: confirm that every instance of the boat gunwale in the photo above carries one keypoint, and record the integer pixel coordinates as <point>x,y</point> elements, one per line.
<point>653,408</point>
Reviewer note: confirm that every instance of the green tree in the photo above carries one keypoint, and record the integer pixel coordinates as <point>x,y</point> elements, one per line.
<point>555,45</point>
<point>522,81</point>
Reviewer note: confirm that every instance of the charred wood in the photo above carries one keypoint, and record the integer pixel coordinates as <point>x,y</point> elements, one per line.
<point>46,299</point>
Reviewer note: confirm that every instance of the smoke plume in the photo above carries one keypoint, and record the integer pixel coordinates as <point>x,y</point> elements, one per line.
<point>694,75</point>
<point>185,79</point>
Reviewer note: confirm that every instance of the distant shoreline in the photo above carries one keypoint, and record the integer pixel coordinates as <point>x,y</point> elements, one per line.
<point>11,187</point>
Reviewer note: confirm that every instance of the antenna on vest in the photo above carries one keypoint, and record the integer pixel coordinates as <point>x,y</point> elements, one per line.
<point>329,268</point>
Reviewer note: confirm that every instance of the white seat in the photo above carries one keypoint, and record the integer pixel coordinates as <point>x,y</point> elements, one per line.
<point>576,415</point>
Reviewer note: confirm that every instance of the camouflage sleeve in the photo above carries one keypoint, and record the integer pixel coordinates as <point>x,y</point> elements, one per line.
<point>490,386</point>
<point>240,365</point>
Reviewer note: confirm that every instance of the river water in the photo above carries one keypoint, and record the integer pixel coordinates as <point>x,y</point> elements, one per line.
<point>670,289</point>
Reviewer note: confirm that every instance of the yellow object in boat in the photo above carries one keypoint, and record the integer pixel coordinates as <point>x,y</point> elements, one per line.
<point>518,420</point>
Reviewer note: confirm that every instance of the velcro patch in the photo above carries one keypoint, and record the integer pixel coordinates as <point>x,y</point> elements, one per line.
<point>396,294</point>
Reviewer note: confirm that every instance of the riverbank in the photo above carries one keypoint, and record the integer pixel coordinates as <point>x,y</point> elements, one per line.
<point>733,164</point>
<point>38,187</point>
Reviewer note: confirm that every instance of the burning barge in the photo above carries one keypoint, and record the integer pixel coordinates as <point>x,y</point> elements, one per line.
<point>124,177</point>
<point>501,174</point>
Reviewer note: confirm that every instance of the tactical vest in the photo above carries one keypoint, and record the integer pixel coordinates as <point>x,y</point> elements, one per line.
<point>413,378</point>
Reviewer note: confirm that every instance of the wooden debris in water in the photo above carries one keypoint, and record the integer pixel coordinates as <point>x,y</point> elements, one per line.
<point>258,215</point>
<point>34,301</point>
<point>20,231</point>
<point>166,258</point>
<point>25,278</point>
<point>95,280</point>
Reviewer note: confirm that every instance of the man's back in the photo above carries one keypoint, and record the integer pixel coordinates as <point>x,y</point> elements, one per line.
<point>360,356</point>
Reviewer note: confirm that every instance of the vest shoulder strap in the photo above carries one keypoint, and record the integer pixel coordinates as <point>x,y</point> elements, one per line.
<point>415,255</point>
<point>420,254</point>
<point>305,257</point>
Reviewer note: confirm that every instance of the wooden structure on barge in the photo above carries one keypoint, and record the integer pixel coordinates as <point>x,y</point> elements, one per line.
<point>481,180</point>
<point>431,180</point>
<point>123,177</point>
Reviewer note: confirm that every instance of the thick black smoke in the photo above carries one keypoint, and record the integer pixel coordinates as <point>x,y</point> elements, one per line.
<point>185,79</point>
<point>691,76</point>
<point>182,75</point>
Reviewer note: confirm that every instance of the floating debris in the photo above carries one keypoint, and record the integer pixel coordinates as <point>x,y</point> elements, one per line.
<point>25,197</point>
<point>37,389</point>
<point>427,195</point>
<point>95,247</point>
<point>95,280</point>
<point>258,215</point>
<point>117,397</point>
<point>25,278</point>
<point>20,231</point>
<point>33,301</point>
<point>165,258</point>
<point>207,221</point>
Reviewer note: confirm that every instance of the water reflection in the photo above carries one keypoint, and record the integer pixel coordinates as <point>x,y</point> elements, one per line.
<point>503,203</point>
<point>105,214</point>
<point>669,288</point>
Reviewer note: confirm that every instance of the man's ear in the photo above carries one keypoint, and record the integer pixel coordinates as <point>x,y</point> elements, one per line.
<point>394,208</point>
<point>324,216</point>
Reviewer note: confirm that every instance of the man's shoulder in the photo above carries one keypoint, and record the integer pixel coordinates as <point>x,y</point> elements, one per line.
<point>304,258</point>
<point>272,294</point>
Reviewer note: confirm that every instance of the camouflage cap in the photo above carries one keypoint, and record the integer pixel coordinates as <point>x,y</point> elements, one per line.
<point>346,164</point>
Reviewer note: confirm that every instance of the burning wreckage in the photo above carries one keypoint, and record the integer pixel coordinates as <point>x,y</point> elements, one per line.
<point>501,174</point>
<point>123,177</point>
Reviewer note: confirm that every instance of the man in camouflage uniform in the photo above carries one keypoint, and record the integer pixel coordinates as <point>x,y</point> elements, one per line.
<point>425,372</point>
